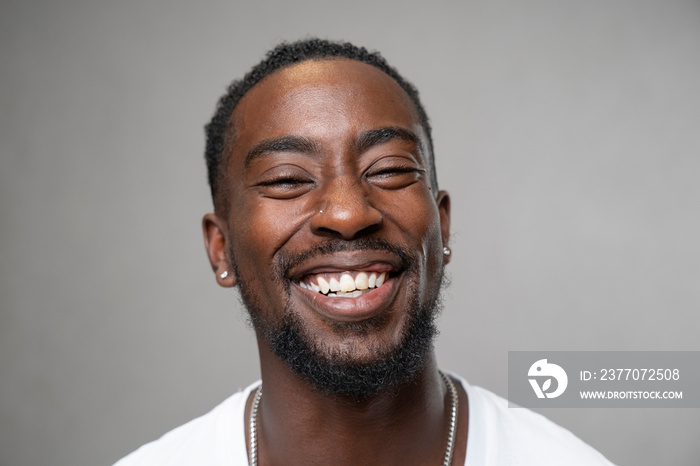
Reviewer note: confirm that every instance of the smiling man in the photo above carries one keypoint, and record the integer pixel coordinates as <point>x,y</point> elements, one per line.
<point>329,220</point>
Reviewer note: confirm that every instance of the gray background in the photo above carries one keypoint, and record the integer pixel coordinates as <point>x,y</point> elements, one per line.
<point>567,131</point>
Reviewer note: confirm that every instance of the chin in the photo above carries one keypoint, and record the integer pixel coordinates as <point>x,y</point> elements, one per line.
<point>361,366</point>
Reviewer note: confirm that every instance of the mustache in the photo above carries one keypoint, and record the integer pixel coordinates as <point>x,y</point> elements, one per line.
<point>288,261</point>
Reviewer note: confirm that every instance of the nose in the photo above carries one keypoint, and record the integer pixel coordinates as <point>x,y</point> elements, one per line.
<point>345,211</point>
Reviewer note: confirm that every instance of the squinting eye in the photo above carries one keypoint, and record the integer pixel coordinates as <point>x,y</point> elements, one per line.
<point>285,187</point>
<point>395,177</point>
<point>395,171</point>
<point>283,182</point>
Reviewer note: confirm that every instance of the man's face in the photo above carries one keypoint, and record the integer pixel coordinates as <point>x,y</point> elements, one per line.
<point>328,186</point>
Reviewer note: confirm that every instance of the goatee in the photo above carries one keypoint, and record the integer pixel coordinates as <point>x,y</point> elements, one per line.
<point>337,372</point>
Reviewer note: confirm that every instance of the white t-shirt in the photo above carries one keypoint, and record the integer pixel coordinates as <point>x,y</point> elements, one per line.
<point>498,436</point>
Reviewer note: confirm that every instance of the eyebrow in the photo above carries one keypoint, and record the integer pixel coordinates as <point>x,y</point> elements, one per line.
<point>281,144</point>
<point>364,142</point>
<point>378,136</point>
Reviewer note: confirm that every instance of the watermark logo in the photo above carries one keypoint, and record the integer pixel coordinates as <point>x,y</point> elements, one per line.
<point>542,370</point>
<point>604,379</point>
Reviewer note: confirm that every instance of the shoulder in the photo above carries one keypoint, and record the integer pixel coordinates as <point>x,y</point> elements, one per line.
<point>499,435</point>
<point>216,438</point>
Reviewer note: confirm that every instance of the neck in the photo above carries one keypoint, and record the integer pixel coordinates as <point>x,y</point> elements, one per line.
<point>406,424</point>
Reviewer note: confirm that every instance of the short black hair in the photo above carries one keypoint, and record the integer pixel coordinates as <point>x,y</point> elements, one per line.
<point>285,54</point>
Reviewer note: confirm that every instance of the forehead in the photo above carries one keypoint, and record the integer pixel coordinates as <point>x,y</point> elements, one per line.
<point>325,99</point>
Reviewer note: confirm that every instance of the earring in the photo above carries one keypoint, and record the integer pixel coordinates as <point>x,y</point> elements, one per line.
<point>446,251</point>
<point>224,274</point>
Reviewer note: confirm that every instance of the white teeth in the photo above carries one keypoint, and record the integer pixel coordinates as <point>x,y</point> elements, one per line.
<point>361,281</point>
<point>372,280</point>
<point>346,283</point>
<point>345,286</point>
<point>323,284</point>
<point>380,279</point>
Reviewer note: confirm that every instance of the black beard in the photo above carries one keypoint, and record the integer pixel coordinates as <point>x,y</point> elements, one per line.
<point>335,372</point>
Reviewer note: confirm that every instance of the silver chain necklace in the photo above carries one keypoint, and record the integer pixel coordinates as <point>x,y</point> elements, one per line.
<point>449,451</point>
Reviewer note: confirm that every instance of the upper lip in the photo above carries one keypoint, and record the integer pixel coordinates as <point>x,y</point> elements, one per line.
<point>366,260</point>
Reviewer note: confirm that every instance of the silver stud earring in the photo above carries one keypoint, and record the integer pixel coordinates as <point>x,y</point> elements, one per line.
<point>320,212</point>
<point>446,251</point>
<point>224,274</point>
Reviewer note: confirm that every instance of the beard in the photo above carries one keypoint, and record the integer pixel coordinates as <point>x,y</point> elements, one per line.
<point>335,371</point>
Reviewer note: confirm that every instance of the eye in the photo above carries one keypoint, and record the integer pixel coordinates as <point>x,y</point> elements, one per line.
<point>393,174</point>
<point>285,185</point>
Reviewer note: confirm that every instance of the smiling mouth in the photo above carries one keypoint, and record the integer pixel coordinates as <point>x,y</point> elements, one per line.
<point>343,285</point>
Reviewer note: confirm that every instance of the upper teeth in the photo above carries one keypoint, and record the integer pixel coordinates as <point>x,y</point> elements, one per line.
<point>344,284</point>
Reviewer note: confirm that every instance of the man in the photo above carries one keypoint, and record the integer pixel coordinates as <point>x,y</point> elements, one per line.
<point>329,219</point>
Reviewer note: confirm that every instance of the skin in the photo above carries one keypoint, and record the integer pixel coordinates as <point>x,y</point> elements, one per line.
<point>297,152</point>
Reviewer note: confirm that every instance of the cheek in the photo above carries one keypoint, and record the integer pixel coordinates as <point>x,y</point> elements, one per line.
<point>433,248</point>
<point>262,227</point>
<point>421,220</point>
<point>425,229</point>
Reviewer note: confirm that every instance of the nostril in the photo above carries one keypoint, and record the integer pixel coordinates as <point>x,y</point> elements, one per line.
<point>327,231</point>
<point>346,222</point>
<point>346,233</point>
<point>368,230</point>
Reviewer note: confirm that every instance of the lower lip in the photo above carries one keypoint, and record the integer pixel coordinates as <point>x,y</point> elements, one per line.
<point>357,309</point>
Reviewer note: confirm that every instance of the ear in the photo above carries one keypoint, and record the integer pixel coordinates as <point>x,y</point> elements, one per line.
<point>443,202</point>
<point>216,244</point>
